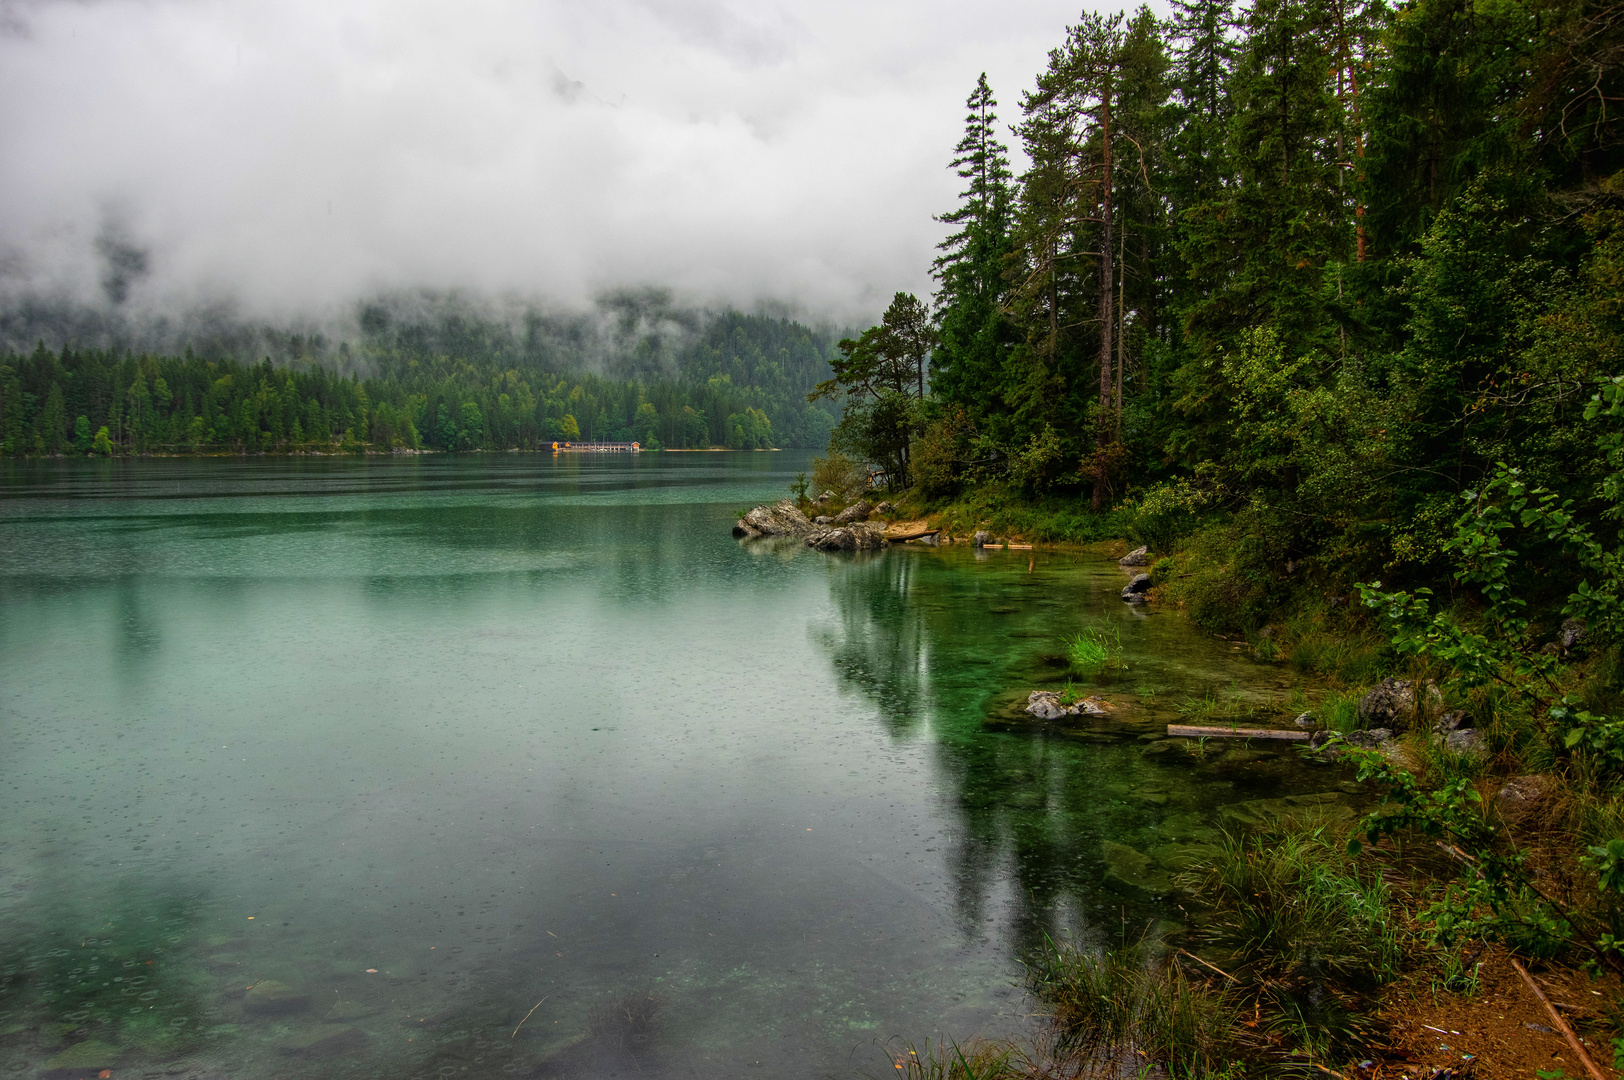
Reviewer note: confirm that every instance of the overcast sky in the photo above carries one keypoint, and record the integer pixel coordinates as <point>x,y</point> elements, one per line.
<point>294,155</point>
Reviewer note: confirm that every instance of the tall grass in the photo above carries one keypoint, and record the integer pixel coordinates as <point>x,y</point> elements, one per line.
<point>1131,1006</point>
<point>1096,649</point>
<point>1313,928</point>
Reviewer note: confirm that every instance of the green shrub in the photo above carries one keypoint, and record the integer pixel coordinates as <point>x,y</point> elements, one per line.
<point>838,473</point>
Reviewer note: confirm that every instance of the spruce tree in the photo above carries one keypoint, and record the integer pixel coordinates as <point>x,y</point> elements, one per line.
<point>974,333</point>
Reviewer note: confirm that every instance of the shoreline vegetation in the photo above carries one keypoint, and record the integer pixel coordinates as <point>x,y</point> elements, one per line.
<point>1322,303</point>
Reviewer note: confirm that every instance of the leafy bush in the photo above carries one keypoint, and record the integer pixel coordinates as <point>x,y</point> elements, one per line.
<point>839,474</point>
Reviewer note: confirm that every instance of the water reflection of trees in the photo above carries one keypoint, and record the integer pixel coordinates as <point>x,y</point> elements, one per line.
<point>917,636</point>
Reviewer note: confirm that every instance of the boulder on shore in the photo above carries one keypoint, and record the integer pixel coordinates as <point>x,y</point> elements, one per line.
<point>1331,744</point>
<point>1046,705</point>
<point>1393,704</point>
<point>858,536</point>
<point>779,519</point>
<point>857,511</point>
<point>982,538</point>
<point>1134,592</point>
<point>1139,556</point>
<point>1524,797</point>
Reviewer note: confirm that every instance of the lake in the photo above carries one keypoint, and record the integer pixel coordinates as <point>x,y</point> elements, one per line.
<point>358,766</point>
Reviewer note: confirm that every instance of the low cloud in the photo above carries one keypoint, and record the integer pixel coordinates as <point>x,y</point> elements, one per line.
<point>290,158</point>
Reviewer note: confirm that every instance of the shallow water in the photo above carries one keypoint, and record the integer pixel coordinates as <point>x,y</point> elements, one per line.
<point>337,767</point>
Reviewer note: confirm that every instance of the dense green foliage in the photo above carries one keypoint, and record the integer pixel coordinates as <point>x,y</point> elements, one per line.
<point>739,383</point>
<point>1311,269</point>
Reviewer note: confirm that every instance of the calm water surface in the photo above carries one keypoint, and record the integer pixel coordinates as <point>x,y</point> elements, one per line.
<point>339,767</point>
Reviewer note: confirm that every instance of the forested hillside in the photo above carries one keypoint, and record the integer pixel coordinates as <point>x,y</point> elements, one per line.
<point>730,380</point>
<point>1309,270</point>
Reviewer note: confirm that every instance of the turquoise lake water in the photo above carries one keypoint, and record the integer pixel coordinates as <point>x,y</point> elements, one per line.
<point>341,767</point>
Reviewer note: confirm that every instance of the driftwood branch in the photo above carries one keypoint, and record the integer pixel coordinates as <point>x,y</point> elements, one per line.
<point>1210,732</point>
<point>1561,1024</point>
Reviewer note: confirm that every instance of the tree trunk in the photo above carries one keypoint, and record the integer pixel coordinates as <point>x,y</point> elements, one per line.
<point>1107,295</point>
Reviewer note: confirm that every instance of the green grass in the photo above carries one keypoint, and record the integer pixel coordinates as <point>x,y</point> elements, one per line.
<point>1315,930</point>
<point>1132,1002</point>
<point>1095,650</point>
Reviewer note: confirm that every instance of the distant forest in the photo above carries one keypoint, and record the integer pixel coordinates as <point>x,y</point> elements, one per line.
<point>448,380</point>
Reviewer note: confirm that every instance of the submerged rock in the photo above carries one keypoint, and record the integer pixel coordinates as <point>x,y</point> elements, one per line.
<point>1134,591</point>
<point>1318,807</point>
<point>269,997</point>
<point>780,519</point>
<point>1133,873</point>
<point>329,1040</point>
<point>858,536</point>
<point>1139,556</point>
<point>1307,721</point>
<point>1393,704</point>
<point>83,1059</point>
<point>1047,705</point>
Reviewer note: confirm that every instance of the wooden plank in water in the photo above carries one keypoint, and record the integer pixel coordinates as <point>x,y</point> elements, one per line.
<point>1205,732</point>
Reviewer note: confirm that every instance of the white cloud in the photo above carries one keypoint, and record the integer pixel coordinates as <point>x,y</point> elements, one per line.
<point>294,155</point>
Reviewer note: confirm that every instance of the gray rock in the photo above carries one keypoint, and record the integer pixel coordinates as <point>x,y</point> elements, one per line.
<point>857,511</point>
<point>823,519</point>
<point>1467,742</point>
<point>858,536</point>
<point>1331,744</point>
<point>1393,703</point>
<point>1308,721</point>
<point>884,508</point>
<point>1139,556</point>
<point>779,519</point>
<point>1572,633</point>
<point>1046,705</point>
<point>1451,721</point>
<point>982,538</point>
<point>1134,592</point>
<point>1523,797</point>
<point>826,497</point>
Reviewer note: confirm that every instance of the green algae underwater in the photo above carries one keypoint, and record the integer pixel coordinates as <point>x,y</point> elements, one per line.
<point>520,765</point>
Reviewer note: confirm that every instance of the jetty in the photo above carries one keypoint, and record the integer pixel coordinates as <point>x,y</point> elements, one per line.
<point>596,448</point>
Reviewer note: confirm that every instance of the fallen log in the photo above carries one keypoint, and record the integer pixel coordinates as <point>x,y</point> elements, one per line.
<point>905,537</point>
<point>1197,731</point>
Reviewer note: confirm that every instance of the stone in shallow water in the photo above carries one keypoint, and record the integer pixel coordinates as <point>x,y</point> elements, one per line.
<point>268,997</point>
<point>87,1057</point>
<point>346,1011</point>
<point>1133,873</point>
<point>1293,809</point>
<point>329,1040</point>
<point>1180,857</point>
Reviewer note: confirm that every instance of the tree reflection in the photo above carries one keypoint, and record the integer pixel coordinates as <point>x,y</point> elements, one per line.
<point>934,647</point>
